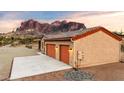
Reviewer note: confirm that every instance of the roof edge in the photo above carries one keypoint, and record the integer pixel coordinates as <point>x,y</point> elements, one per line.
<point>96,30</point>
<point>62,38</point>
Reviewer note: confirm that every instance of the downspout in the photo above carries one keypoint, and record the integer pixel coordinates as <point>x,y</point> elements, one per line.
<point>75,65</point>
<point>120,57</point>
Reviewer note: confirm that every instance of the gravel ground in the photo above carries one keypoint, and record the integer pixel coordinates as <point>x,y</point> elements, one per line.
<point>6,56</point>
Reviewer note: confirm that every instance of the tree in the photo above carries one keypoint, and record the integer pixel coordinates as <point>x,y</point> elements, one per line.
<point>118,33</point>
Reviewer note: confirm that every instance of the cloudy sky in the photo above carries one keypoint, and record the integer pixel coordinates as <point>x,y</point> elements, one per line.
<point>111,20</point>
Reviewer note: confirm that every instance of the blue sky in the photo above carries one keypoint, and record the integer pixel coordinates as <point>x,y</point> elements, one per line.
<point>45,15</point>
<point>112,20</point>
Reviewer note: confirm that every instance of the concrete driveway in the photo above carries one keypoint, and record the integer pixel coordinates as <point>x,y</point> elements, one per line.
<point>34,65</point>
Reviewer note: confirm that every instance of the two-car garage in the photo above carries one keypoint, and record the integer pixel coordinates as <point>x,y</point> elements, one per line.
<point>62,51</point>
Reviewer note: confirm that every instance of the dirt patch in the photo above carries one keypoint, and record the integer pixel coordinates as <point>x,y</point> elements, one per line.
<point>107,72</point>
<point>6,56</point>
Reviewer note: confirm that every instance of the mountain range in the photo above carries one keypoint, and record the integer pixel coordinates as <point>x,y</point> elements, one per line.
<point>34,27</point>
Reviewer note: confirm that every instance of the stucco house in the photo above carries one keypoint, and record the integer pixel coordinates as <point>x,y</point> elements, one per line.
<point>82,48</point>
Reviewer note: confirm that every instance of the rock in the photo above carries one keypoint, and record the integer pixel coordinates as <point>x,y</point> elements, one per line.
<point>78,75</point>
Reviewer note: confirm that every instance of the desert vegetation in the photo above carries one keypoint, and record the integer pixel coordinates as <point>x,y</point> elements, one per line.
<point>14,41</point>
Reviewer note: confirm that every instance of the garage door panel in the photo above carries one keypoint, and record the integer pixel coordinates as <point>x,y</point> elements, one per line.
<point>64,53</point>
<point>50,50</point>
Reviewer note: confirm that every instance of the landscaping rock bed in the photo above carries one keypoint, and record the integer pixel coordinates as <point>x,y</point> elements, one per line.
<point>77,75</point>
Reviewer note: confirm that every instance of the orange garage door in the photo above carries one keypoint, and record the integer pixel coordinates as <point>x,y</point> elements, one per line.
<point>50,50</point>
<point>64,53</point>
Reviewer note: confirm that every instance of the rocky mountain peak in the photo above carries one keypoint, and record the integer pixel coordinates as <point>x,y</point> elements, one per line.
<point>35,26</point>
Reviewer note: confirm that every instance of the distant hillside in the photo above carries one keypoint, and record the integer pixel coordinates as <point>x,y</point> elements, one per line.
<point>34,27</point>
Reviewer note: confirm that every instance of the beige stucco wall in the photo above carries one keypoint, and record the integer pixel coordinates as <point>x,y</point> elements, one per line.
<point>98,48</point>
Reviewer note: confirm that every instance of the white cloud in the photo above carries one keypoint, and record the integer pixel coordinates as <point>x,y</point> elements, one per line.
<point>9,25</point>
<point>9,21</point>
<point>111,21</point>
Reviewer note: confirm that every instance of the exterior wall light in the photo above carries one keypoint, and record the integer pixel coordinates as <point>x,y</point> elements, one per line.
<point>70,49</point>
<point>56,47</point>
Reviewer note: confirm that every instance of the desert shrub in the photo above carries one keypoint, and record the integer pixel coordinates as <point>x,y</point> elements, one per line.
<point>26,40</point>
<point>22,41</point>
<point>14,44</point>
<point>1,38</point>
<point>78,75</point>
<point>0,43</point>
<point>29,46</point>
<point>6,41</point>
